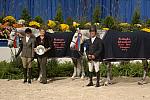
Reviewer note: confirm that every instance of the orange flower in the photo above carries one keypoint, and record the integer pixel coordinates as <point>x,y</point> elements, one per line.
<point>17,25</point>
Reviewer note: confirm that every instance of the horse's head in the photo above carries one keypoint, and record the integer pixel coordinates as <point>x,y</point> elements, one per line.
<point>82,35</point>
<point>76,41</point>
<point>79,37</point>
<point>11,38</point>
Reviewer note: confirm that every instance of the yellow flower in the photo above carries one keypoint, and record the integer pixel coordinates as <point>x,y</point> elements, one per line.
<point>9,19</point>
<point>88,24</point>
<point>51,24</point>
<point>124,24</point>
<point>34,23</point>
<point>75,24</point>
<point>64,27</point>
<point>146,29</point>
<point>105,29</point>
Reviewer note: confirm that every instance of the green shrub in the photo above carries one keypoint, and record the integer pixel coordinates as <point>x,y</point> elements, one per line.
<point>1,19</point>
<point>69,21</point>
<point>13,70</point>
<point>39,19</point>
<point>109,22</point>
<point>148,23</point>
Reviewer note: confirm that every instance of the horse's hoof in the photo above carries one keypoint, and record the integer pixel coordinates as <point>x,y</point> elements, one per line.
<point>142,82</point>
<point>107,83</point>
<point>101,83</point>
<point>73,78</point>
<point>39,79</point>
<point>82,77</point>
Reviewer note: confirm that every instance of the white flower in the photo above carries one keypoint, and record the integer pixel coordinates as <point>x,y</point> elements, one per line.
<point>138,25</point>
<point>50,31</point>
<point>21,21</point>
<point>97,24</point>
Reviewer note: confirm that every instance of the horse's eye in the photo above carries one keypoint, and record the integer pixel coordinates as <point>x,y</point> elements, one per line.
<point>75,36</point>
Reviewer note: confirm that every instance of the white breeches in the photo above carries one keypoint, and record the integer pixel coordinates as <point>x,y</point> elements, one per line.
<point>93,64</point>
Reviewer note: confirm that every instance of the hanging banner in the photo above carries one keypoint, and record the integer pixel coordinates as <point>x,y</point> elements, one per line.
<point>126,45</point>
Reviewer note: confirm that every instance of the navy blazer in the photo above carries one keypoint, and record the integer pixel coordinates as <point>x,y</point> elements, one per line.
<point>96,48</point>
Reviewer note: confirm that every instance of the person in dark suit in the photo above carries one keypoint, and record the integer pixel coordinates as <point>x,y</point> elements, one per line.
<point>93,51</point>
<point>27,48</point>
<point>45,41</point>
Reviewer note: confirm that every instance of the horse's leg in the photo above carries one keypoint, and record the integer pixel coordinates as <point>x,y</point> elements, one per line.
<point>79,65</point>
<point>12,54</point>
<point>109,73</point>
<point>75,68</point>
<point>82,68</point>
<point>145,70</point>
<point>145,65</point>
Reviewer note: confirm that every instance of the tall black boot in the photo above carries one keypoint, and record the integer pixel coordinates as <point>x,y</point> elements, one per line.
<point>98,78</point>
<point>29,75</point>
<point>90,76</point>
<point>25,75</point>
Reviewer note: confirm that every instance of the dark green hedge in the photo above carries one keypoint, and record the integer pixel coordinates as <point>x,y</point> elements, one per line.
<point>13,70</point>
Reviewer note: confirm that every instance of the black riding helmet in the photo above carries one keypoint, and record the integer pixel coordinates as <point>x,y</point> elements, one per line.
<point>28,30</point>
<point>93,29</point>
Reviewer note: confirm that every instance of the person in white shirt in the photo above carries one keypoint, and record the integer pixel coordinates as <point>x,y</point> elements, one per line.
<point>27,52</point>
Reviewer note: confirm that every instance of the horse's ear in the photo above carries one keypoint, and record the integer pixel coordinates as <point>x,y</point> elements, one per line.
<point>76,34</point>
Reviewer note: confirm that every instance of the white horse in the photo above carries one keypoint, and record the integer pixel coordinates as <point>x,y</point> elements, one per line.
<point>78,62</point>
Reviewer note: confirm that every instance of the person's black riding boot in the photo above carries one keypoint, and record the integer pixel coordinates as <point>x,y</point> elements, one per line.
<point>25,75</point>
<point>29,75</point>
<point>98,78</point>
<point>90,76</point>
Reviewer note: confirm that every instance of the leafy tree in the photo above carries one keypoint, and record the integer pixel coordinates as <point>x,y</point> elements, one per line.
<point>59,14</point>
<point>25,15</point>
<point>136,17</point>
<point>96,14</point>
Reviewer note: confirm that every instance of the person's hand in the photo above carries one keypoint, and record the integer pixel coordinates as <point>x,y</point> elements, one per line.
<point>46,49</point>
<point>17,33</point>
<point>93,57</point>
<point>90,56</point>
<point>34,49</point>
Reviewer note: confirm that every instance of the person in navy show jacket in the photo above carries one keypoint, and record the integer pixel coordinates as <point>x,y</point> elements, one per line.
<point>93,52</point>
